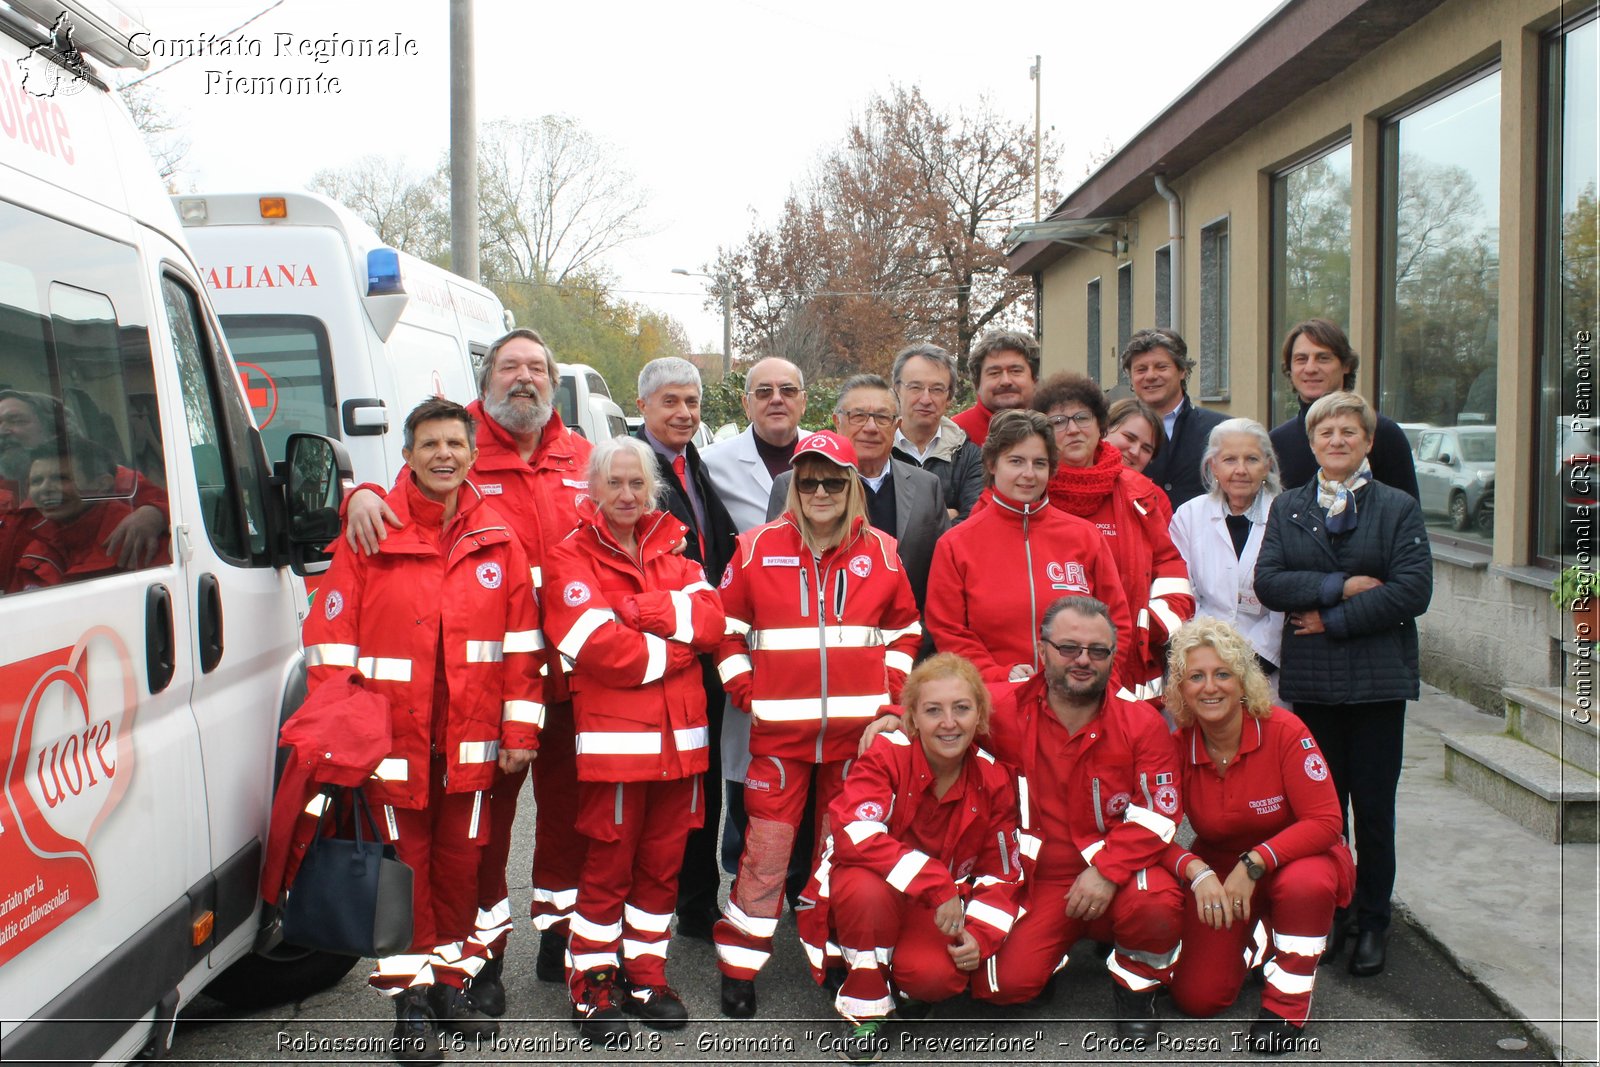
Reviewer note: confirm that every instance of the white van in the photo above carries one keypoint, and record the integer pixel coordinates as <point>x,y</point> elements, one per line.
<point>139,700</point>
<point>584,402</point>
<point>335,332</point>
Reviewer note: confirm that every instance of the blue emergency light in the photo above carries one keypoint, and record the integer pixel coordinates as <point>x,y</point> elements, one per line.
<point>383,273</point>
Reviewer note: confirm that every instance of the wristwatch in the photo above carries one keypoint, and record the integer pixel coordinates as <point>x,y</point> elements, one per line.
<point>1253,869</point>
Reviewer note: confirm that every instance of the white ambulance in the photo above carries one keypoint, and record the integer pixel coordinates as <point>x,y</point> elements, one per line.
<point>335,332</point>
<point>148,607</point>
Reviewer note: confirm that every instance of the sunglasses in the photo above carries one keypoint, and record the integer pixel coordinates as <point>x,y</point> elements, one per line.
<point>831,486</point>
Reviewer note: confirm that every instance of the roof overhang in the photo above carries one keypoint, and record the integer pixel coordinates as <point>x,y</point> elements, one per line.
<point>1074,233</point>
<point>1300,46</point>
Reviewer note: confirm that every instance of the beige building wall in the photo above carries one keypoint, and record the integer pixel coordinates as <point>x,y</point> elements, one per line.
<point>1491,623</point>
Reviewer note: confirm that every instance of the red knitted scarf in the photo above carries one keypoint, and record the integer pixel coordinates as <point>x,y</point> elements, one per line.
<point>1081,491</point>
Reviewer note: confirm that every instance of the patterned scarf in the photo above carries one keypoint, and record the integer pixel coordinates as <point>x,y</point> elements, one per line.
<point>1081,491</point>
<point>1339,498</point>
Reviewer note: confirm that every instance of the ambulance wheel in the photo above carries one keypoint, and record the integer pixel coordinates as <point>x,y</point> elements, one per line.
<point>287,974</point>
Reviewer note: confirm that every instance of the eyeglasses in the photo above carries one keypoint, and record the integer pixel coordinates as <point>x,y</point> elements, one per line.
<point>936,391</point>
<point>831,486</point>
<point>857,417</point>
<point>764,392</point>
<point>1080,420</point>
<point>1070,651</point>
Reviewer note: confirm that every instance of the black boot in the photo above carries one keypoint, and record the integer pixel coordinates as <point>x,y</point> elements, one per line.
<point>488,992</point>
<point>455,1011</point>
<point>1135,1013</point>
<point>595,1011</point>
<point>738,998</point>
<point>416,1039</point>
<point>1272,1035</point>
<point>1371,950</point>
<point>551,963</point>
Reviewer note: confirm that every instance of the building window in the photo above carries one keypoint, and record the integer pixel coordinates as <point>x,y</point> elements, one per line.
<point>1440,298</point>
<point>1568,442</point>
<point>1310,256</point>
<point>1124,308</point>
<point>1214,311</point>
<point>1091,345</point>
<point>1164,286</point>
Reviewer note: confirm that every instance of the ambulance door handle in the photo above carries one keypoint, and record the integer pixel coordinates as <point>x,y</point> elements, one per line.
<point>158,642</point>
<point>210,623</point>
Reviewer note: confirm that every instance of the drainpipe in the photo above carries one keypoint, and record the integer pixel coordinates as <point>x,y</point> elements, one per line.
<point>1175,236</point>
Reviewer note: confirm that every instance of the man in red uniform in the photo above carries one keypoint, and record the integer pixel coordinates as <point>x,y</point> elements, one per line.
<point>1004,365</point>
<point>532,468</point>
<point>1098,802</point>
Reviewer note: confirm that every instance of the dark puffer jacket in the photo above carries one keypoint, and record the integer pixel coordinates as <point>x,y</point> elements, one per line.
<point>1369,652</point>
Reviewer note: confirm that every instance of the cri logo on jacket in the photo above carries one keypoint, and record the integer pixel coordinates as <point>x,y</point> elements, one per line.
<point>1067,576</point>
<point>489,576</point>
<point>575,593</point>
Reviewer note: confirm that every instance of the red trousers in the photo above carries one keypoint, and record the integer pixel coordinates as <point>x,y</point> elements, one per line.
<point>558,847</point>
<point>774,799</point>
<point>442,844</point>
<point>629,885</point>
<point>1295,905</point>
<point>879,929</point>
<point>1144,926</point>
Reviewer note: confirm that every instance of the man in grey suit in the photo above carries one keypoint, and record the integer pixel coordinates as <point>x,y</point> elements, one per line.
<point>902,499</point>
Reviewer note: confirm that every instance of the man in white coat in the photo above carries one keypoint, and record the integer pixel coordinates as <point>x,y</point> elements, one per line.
<point>742,469</point>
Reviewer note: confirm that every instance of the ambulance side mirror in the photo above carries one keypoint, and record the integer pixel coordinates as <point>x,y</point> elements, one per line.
<point>316,474</point>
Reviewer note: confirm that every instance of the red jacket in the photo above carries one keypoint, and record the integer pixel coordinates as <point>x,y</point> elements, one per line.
<point>538,498</point>
<point>384,615</point>
<point>18,518</point>
<point>1124,788</point>
<point>870,818</point>
<point>975,422</point>
<point>1155,579</point>
<point>813,648</point>
<point>1277,798</point>
<point>71,551</point>
<point>632,630</point>
<point>994,575</point>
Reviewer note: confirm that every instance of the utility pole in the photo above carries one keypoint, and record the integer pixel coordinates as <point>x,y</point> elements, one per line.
<point>463,144</point>
<point>1038,82</point>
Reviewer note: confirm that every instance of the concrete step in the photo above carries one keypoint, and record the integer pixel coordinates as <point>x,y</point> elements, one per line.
<point>1557,722</point>
<point>1555,800</point>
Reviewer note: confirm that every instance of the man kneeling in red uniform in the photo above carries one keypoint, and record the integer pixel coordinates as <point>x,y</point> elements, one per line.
<point>1097,794</point>
<point>920,881</point>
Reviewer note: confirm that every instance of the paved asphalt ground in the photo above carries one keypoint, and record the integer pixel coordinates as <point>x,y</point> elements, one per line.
<point>1421,1010</point>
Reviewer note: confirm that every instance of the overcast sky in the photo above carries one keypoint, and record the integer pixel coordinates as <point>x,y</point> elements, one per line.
<point>717,107</point>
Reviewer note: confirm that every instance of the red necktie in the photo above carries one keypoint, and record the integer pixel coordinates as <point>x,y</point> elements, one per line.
<point>680,468</point>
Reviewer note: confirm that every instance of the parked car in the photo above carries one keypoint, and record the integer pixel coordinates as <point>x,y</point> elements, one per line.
<point>1455,475</point>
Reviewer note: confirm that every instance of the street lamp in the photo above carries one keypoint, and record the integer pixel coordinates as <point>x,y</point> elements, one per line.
<point>727,315</point>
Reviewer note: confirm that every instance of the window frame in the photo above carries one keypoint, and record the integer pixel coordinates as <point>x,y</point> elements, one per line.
<point>1221,358</point>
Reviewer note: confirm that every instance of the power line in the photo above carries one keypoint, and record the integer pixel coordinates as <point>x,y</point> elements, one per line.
<point>229,33</point>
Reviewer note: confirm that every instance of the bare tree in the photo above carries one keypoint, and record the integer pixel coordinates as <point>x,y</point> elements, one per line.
<point>161,131</point>
<point>408,211</point>
<point>554,199</point>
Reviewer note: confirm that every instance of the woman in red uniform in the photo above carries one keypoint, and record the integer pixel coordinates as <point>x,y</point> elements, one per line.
<point>1133,514</point>
<point>440,621</point>
<point>991,617</point>
<point>1267,836</point>
<point>821,631</point>
<point>631,617</point>
<point>919,885</point>
<point>1137,431</point>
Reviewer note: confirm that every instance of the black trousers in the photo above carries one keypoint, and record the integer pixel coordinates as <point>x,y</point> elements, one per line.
<point>701,876</point>
<point>1363,744</point>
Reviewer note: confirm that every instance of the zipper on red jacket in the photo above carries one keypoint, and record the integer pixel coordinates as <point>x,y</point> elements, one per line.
<point>1033,600</point>
<point>822,646</point>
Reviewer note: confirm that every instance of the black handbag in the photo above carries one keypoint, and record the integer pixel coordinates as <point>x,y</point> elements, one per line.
<point>350,895</point>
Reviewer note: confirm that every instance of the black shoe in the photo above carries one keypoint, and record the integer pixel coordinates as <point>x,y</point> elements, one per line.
<point>1371,948</point>
<point>488,992</point>
<point>416,1039</point>
<point>551,963</point>
<point>738,998</point>
<point>1272,1035</point>
<point>456,1012</point>
<point>864,1041</point>
<point>1343,926</point>
<point>697,925</point>
<point>595,1010</point>
<point>911,1009</point>
<point>1135,1013</point>
<point>657,1006</point>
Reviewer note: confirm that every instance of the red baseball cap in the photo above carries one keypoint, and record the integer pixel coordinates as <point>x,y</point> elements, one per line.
<point>830,446</point>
